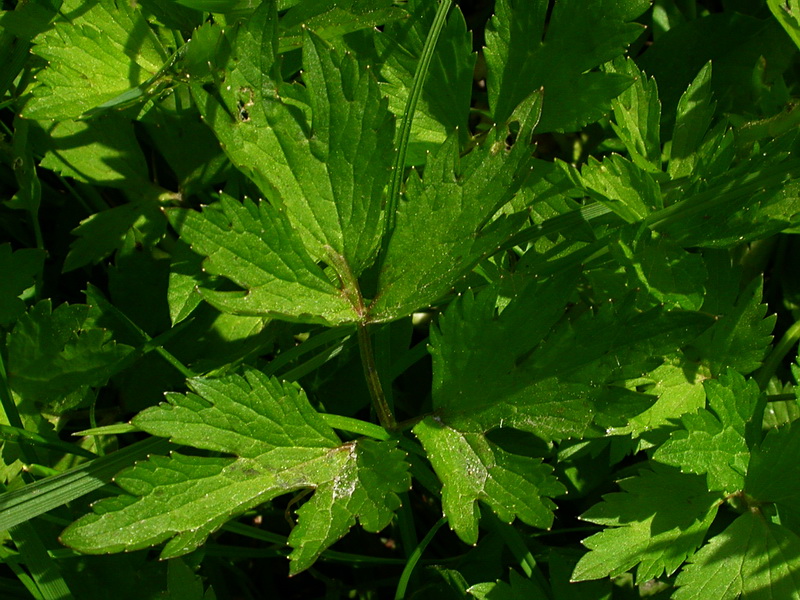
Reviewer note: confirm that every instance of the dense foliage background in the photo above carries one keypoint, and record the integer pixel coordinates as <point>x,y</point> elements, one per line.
<point>492,300</point>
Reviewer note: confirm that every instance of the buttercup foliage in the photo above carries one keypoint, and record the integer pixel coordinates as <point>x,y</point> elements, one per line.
<point>311,280</point>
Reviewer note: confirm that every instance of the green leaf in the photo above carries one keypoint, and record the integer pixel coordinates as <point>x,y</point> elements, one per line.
<point>679,391</point>
<point>445,102</point>
<point>517,588</point>
<point>91,59</point>
<point>444,221</point>
<point>752,558</point>
<point>522,57</point>
<point>185,274</point>
<point>741,336</point>
<point>254,246</point>
<point>532,369</point>
<point>327,173</point>
<point>626,189</point>
<point>51,353</point>
<point>674,277</point>
<point>772,474</point>
<point>472,468</point>
<point>787,12</point>
<point>365,488</point>
<point>334,18</point>
<point>714,441</point>
<point>280,444</point>
<point>19,270</point>
<point>637,115</point>
<point>104,232</point>
<point>695,111</point>
<point>659,519</point>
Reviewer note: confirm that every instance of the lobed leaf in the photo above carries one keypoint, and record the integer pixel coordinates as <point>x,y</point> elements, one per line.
<point>325,163</point>
<point>52,353</point>
<point>752,558</point>
<point>254,246</point>
<point>648,528</point>
<point>91,58</point>
<point>713,441</point>
<point>522,56</point>
<point>280,444</point>
<point>472,468</point>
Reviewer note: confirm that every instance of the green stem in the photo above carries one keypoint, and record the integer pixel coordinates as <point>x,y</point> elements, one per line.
<point>781,349</point>
<point>356,426</point>
<point>385,415</point>
<point>408,117</point>
<point>402,584</point>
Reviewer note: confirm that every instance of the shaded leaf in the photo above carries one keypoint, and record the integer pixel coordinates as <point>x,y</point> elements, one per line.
<point>659,519</point>
<point>752,558</point>
<point>19,272</point>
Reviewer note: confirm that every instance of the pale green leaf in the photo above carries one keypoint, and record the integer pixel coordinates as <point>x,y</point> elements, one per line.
<point>254,246</point>
<point>19,271</point>
<point>659,519</point>
<point>753,559</point>
<point>679,391</point>
<point>328,172</point>
<point>366,487</point>
<point>714,441</point>
<point>91,59</point>
<point>474,469</point>
<point>52,353</point>
<point>185,275</point>
<point>279,445</point>
<point>522,56</point>
<point>102,151</point>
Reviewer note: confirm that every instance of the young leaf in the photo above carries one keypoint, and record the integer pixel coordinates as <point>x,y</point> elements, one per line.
<point>714,442</point>
<point>752,558</point>
<point>648,527</point>
<point>522,57</point>
<point>51,353</point>
<point>19,269</point>
<point>637,116</point>
<point>626,189</point>
<point>695,111</point>
<point>91,59</point>
<point>280,444</point>
<point>472,468</point>
<point>444,221</point>
<point>327,173</point>
<point>254,246</point>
